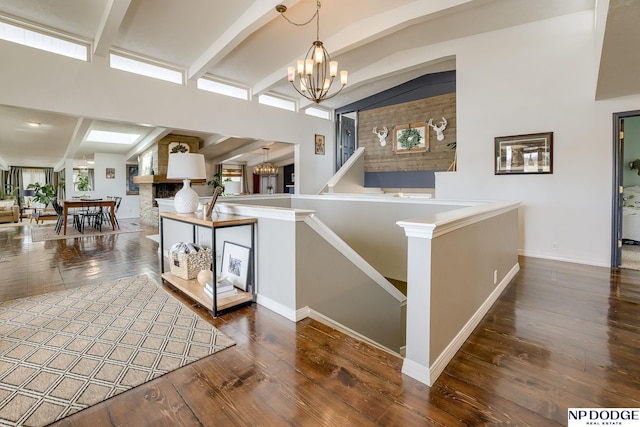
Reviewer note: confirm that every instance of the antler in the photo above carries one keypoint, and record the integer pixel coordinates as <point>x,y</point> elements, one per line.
<point>381,135</point>
<point>439,129</point>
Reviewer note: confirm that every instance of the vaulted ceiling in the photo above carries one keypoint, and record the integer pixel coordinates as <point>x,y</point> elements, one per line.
<point>247,42</point>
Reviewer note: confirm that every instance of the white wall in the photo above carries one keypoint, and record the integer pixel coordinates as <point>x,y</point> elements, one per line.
<point>94,90</point>
<point>535,78</point>
<point>532,78</point>
<point>103,187</point>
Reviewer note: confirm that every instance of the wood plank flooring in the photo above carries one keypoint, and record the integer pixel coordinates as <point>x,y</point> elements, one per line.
<point>561,335</point>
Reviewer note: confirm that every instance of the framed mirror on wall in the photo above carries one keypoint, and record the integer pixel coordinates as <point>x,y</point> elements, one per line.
<point>83,179</point>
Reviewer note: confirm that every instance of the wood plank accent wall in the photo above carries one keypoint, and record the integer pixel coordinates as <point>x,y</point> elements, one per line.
<point>384,159</point>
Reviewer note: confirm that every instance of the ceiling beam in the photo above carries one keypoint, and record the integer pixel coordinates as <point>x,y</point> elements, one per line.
<point>79,132</point>
<point>252,146</point>
<point>153,136</point>
<point>109,25</point>
<point>255,17</point>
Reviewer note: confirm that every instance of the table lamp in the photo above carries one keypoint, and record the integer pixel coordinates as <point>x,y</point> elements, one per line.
<point>186,166</point>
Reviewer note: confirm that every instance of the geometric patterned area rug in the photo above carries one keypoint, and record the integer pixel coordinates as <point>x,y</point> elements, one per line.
<point>64,351</point>
<point>48,232</point>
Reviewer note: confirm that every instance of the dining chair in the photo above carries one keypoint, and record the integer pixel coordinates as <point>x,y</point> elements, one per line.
<point>60,212</point>
<point>90,214</point>
<point>107,211</point>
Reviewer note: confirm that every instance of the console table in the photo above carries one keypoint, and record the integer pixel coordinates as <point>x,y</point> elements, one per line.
<point>193,288</point>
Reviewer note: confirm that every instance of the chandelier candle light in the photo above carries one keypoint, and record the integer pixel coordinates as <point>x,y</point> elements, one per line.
<point>265,168</point>
<point>186,166</point>
<point>316,71</point>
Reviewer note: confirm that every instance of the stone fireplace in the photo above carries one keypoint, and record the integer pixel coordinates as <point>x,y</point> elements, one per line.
<point>153,181</point>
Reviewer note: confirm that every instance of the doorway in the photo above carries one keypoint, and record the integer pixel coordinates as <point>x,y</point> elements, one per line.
<point>346,141</point>
<point>625,252</point>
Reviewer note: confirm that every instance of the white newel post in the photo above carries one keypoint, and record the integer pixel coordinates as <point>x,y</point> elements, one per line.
<point>417,361</point>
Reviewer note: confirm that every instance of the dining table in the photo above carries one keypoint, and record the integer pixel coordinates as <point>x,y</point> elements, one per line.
<point>79,203</point>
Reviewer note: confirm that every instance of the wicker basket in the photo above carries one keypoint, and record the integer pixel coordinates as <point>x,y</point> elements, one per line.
<point>187,266</point>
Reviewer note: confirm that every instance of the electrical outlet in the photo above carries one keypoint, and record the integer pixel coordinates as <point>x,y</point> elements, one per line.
<point>554,245</point>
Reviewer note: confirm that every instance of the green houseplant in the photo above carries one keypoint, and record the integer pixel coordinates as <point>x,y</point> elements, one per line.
<point>83,183</point>
<point>43,193</point>
<point>217,182</point>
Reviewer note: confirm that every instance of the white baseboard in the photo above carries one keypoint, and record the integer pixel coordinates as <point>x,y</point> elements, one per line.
<point>276,307</point>
<point>347,331</point>
<point>429,374</point>
<point>584,261</point>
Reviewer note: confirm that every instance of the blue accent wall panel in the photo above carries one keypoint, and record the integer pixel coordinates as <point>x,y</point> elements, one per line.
<point>413,179</point>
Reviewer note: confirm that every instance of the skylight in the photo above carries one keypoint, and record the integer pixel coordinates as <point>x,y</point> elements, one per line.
<point>274,101</point>
<point>145,69</point>
<point>223,88</point>
<point>112,137</point>
<point>58,45</point>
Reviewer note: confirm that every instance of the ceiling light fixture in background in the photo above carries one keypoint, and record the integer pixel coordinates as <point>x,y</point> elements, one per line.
<point>316,71</point>
<point>265,168</point>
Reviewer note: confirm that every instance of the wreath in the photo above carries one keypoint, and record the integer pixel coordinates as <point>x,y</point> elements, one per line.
<point>409,138</point>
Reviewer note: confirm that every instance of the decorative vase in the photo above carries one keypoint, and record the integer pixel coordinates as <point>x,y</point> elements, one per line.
<point>205,276</point>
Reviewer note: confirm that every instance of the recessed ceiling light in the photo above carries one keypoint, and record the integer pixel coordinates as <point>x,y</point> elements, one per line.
<point>34,124</point>
<point>112,137</point>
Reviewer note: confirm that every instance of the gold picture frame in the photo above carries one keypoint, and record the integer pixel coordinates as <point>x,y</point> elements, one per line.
<point>319,144</point>
<point>411,138</point>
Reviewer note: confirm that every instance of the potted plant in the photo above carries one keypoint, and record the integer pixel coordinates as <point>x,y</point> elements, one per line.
<point>83,183</point>
<point>217,182</point>
<point>270,189</point>
<point>43,193</point>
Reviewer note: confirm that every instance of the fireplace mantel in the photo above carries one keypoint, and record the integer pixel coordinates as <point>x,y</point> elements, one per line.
<point>162,179</point>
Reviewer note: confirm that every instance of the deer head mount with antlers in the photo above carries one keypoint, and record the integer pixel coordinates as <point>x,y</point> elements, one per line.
<point>439,129</point>
<point>382,135</point>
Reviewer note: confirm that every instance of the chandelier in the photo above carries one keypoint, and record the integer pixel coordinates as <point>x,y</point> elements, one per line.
<point>316,71</point>
<point>265,168</point>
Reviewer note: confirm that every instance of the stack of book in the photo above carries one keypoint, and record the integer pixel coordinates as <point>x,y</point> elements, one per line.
<point>224,288</point>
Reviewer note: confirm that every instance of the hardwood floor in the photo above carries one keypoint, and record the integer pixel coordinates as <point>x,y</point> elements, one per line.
<point>562,335</point>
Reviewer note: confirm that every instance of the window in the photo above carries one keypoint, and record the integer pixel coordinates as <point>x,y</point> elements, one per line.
<point>277,102</point>
<point>318,112</point>
<point>33,175</point>
<point>143,68</point>
<point>83,179</point>
<point>232,173</point>
<point>39,40</point>
<point>223,88</point>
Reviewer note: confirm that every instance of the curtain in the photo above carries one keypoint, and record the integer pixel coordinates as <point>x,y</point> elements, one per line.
<point>15,180</point>
<point>3,181</point>
<point>91,174</point>
<point>49,176</point>
<point>59,179</point>
<point>245,180</point>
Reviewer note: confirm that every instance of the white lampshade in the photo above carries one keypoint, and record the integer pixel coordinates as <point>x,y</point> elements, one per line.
<point>186,166</point>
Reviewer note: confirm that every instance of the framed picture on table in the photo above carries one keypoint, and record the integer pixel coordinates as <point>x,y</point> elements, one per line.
<point>235,264</point>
